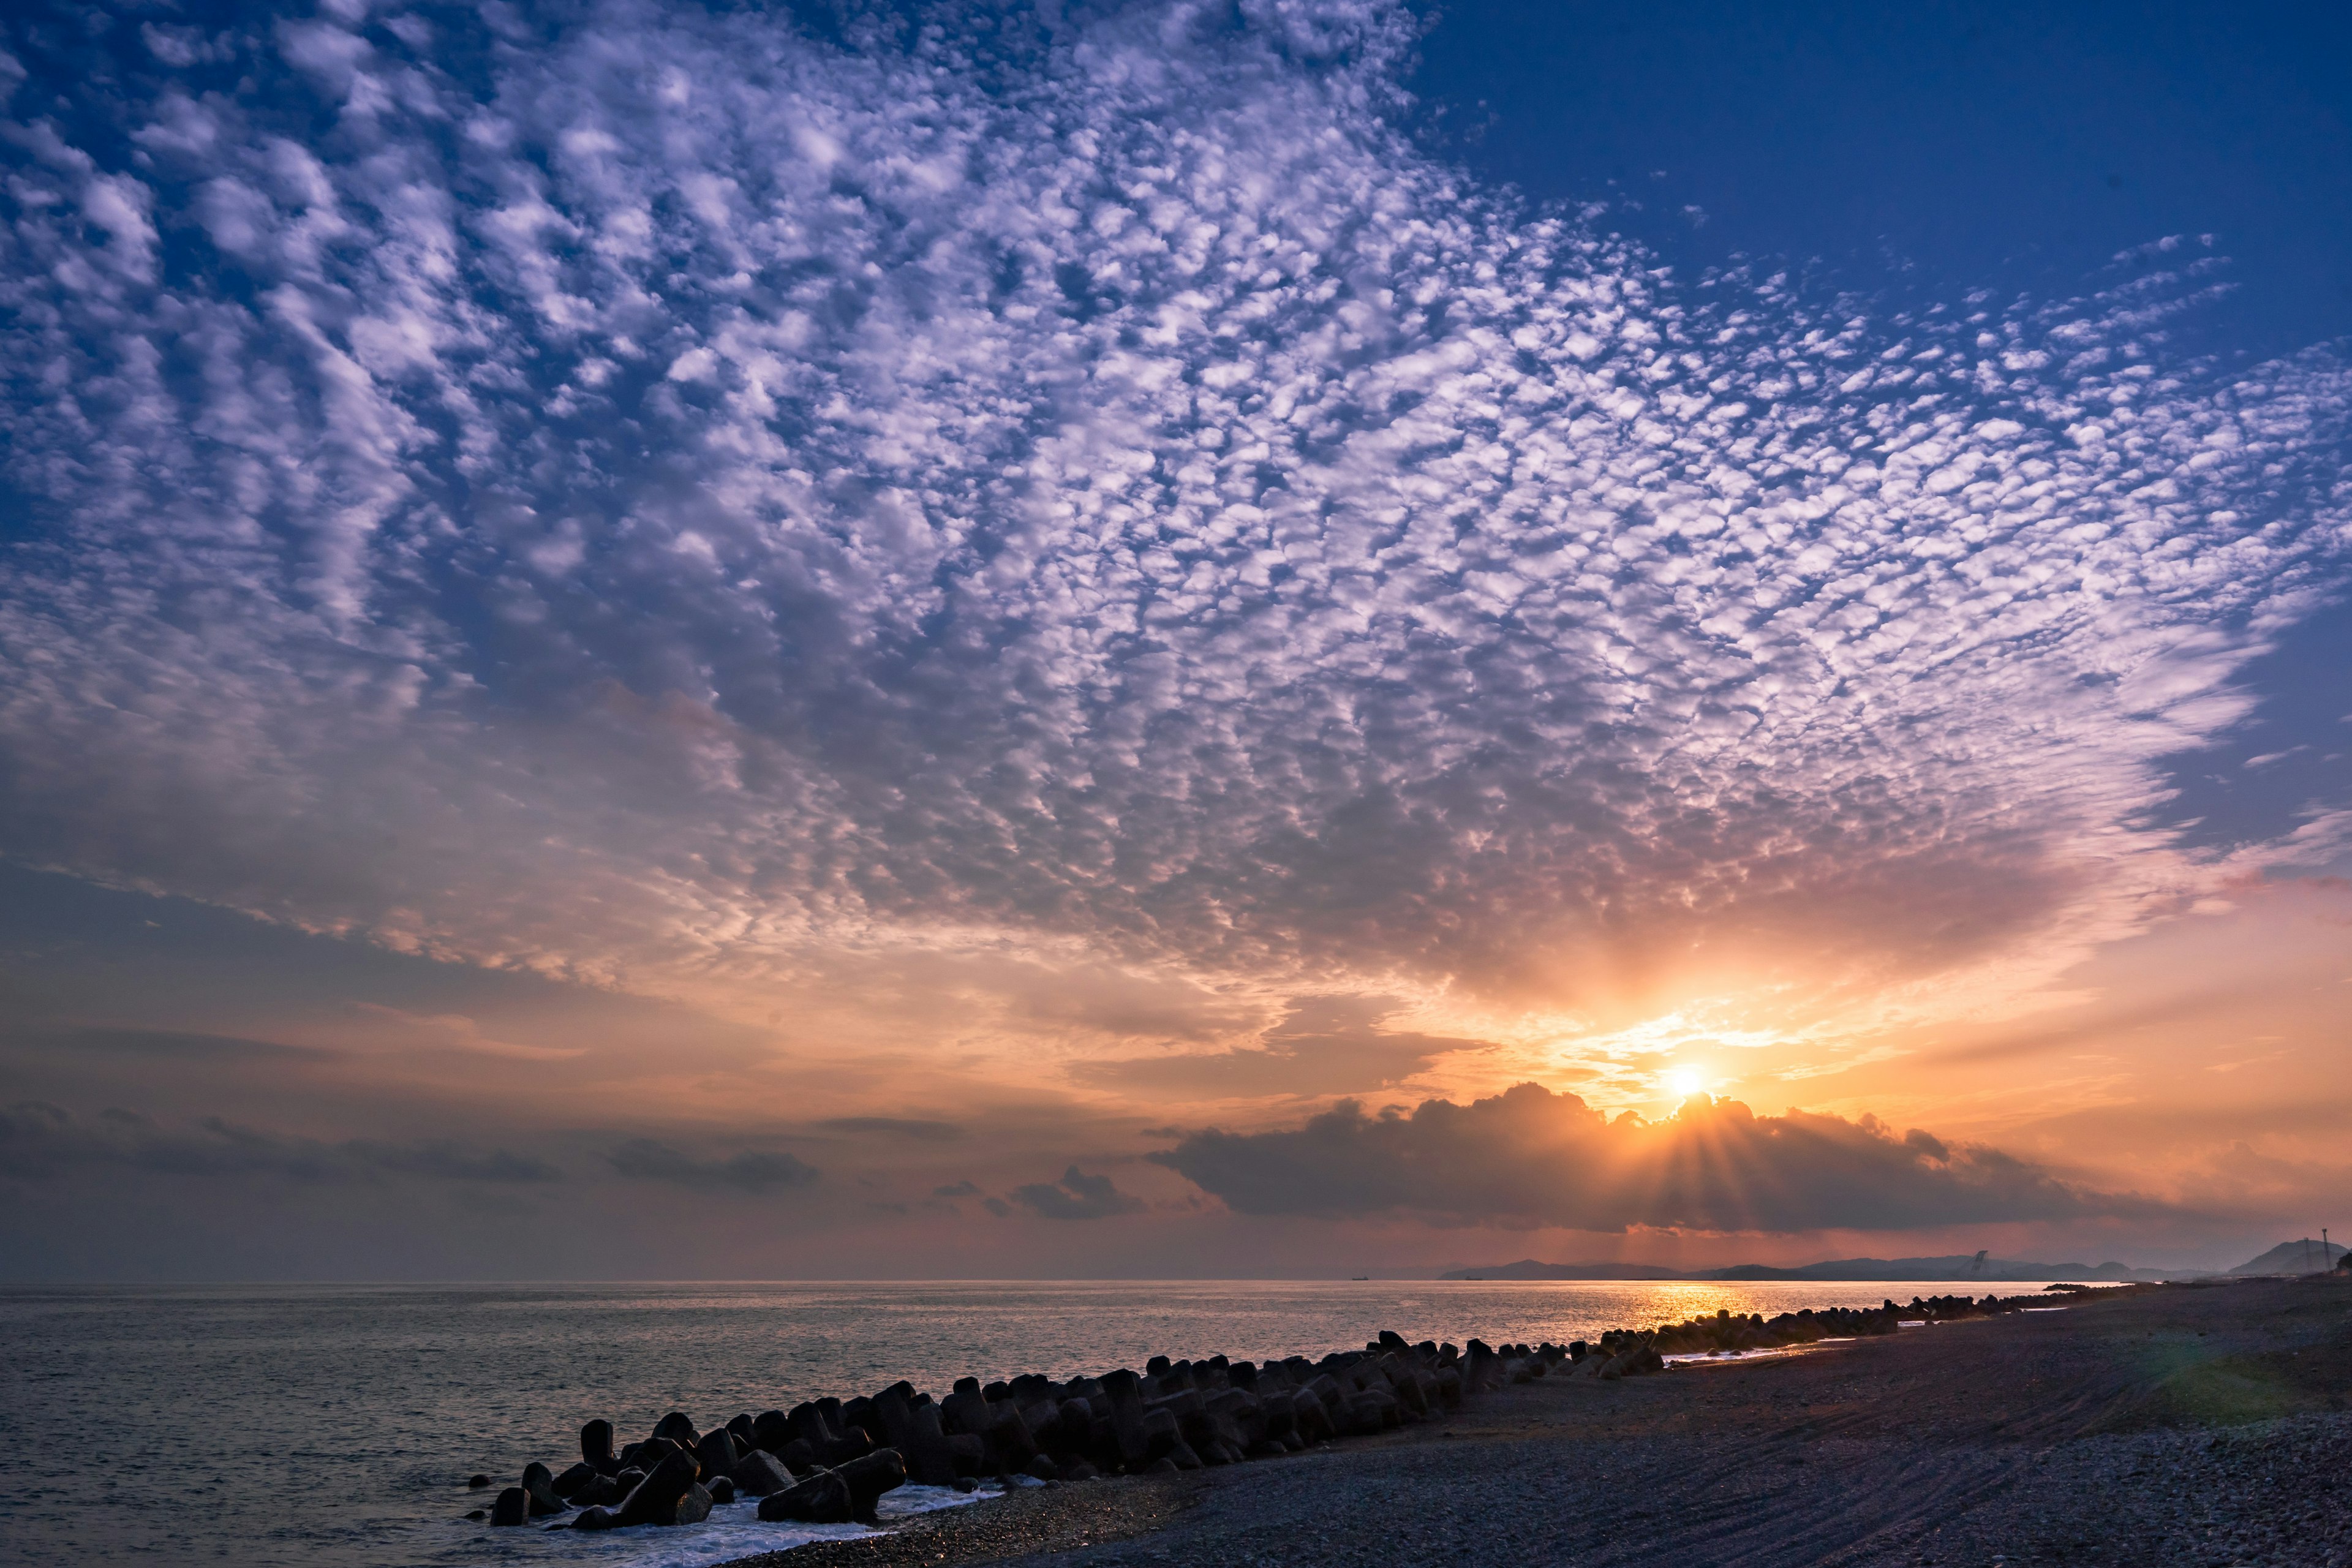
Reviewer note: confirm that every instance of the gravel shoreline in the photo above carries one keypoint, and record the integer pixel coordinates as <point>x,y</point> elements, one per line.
<point>2195,1424</point>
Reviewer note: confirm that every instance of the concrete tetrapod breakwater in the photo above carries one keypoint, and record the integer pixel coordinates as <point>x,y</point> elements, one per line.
<point>830,1460</point>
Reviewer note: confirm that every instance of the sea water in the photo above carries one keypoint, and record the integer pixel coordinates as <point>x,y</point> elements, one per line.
<point>335,1426</point>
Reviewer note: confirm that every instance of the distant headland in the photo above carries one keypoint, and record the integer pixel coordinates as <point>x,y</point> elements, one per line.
<point>2308,1256</point>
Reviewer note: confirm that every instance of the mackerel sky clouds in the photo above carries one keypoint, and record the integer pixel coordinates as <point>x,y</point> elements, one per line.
<point>809,611</point>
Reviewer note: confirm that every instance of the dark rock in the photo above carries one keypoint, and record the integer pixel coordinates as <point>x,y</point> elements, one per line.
<point>915,1432</point>
<point>597,1445</point>
<point>869,1475</point>
<point>1126,1432</point>
<point>966,1484</point>
<point>1074,1426</point>
<point>479,1514</point>
<point>577,1482</point>
<point>539,1487</point>
<point>1240,1417</point>
<point>1160,1432</point>
<point>655,1499</point>
<point>645,1455</point>
<point>679,1429</point>
<point>1162,1466</point>
<point>821,1497</point>
<point>771,1430</point>
<point>859,1413</point>
<point>716,1453</point>
<point>594,1519</point>
<point>1079,1470</point>
<point>722,1489</point>
<point>824,1426</point>
<point>476,1483</point>
<point>1043,1468</point>
<point>694,1507</point>
<point>761,1475</point>
<point>512,1508</point>
<point>798,1457</point>
<point>965,1411</point>
<point>1010,1445</point>
<point>1184,1457</point>
<point>1267,1448</point>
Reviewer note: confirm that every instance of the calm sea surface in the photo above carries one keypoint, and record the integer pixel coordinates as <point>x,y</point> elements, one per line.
<point>335,1425</point>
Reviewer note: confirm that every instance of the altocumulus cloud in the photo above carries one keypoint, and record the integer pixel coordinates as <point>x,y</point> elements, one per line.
<point>1530,1157</point>
<point>613,486</point>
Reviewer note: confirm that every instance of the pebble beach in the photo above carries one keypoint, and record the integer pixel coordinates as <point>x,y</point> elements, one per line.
<point>2203,1424</point>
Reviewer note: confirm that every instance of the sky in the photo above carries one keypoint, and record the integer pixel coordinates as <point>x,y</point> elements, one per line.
<point>1295,637</point>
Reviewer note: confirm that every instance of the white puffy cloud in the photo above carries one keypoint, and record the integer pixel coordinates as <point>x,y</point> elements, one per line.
<point>660,495</point>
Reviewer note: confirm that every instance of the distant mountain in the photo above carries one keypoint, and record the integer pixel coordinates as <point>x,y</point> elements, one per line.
<point>1529,1269</point>
<point>1960,1266</point>
<point>2309,1256</point>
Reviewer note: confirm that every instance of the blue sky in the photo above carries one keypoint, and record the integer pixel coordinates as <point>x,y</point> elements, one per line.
<point>1958,145</point>
<point>604,599</point>
<point>1950,147</point>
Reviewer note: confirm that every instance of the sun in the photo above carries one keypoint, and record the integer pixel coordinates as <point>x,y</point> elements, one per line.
<point>1685,1082</point>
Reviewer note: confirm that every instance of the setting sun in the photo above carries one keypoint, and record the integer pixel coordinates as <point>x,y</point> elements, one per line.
<point>1685,1082</point>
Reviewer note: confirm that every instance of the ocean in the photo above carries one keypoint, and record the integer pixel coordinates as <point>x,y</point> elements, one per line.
<point>335,1425</point>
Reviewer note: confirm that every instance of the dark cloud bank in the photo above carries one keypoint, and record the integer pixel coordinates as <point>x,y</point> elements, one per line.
<point>1530,1157</point>
<point>752,1171</point>
<point>39,1140</point>
<point>1077,1196</point>
<point>1525,1158</point>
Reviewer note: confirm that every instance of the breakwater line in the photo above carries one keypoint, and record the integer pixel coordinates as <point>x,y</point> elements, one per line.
<point>831,1461</point>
